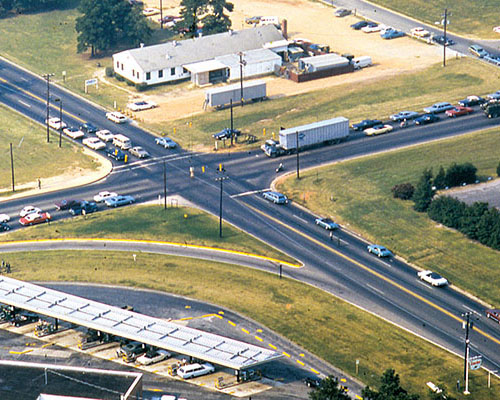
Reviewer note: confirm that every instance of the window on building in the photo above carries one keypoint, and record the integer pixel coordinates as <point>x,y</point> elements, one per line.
<point>137,74</point>
<point>172,71</point>
<point>148,76</point>
<point>184,70</point>
<point>122,66</point>
<point>133,72</point>
<point>160,73</point>
<point>118,64</point>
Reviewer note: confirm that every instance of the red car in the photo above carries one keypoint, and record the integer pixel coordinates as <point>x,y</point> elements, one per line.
<point>458,111</point>
<point>493,314</point>
<point>35,218</point>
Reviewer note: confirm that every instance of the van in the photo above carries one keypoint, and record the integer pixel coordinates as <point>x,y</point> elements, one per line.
<point>361,62</point>
<point>194,370</point>
<point>122,141</point>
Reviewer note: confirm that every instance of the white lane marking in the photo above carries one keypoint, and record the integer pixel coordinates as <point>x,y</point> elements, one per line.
<point>300,219</point>
<point>24,104</point>
<point>146,163</point>
<point>248,193</point>
<point>374,288</point>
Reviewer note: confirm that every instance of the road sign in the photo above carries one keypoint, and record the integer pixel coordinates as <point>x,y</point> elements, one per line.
<point>89,82</point>
<point>475,362</point>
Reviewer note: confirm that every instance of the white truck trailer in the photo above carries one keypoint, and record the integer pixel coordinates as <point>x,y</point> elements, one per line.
<point>318,133</point>
<point>222,96</point>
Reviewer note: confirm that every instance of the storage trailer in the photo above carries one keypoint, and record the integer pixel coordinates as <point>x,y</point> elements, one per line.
<point>222,96</point>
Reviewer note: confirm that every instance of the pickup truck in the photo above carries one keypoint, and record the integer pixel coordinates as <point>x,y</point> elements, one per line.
<point>493,314</point>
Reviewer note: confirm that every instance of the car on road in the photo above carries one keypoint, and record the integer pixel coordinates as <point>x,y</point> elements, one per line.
<point>139,152</point>
<point>426,119</point>
<point>166,142</point>
<point>101,196</point>
<point>379,250</point>
<point>440,40</point>
<point>194,370</point>
<point>459,111</point>
<point>105,135</point>
<point>342,12</point>
<point>373,27</point>
<point>153,356</point>
<point>35,218</point>
<point>142,105</point>
<point>438,107</point>
<point>432,278</point>
<point>4,218</point>
<point>29,210</point>
<point>117,201</point>
<point>94,143</point>
<point>313,382</point>
<point>478,50</point>
<point>470,101</point>
<point>73,133</point>
<point>378,130</point>
<point>4,226</point>
<point>66,204</point>
<point>366,123</point>
<point>402,115</point>
<point>116,154</point>
<point>326,223</point>
<point>83,206</point>
<point>391,34</point>
<point>494,96</point>
<point>226,133</point>
<point>56,123</point>
<point>493,314</point>
<point>420,32</point>
<point>116,117</point>
<point>360,24</point>
<point>88,127</point>
<point>275,197</point>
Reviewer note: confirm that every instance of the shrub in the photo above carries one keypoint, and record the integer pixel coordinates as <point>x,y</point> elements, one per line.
<point>109,72</point>
<point>141,86</point>
<point>403,191</point>
<point>460,173</point>
<point>440,179</point>
<point>423,192</point>
<point>119,77</point>
<point>498,169</point>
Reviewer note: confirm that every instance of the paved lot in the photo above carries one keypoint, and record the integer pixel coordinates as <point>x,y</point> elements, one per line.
<point>488,192</point>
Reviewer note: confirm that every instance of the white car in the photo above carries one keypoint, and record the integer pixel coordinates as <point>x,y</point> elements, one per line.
<point>74,133</point>
<point>148,12</point>
<point>116,117</point>
<point>4,218</point>
<point>139,152</point>
<point>433,278</point>
<point>420,32</point>
<point>94,143</point>
<point>29,210</point>
<point>101,196</point>
<point>194,370</point>
<point>496,29</point>
<point>153,357</point>
<point>166,142</point>
<point>142,105</point>
<point>56,123</point>
<point>105,135</point>
<point>377,28</point>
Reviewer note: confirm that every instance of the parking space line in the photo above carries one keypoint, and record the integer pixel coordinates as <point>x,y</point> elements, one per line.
<point>244,330</point>
<point>300,362</point>
<point>231,323</point>
<point>272,346</point>
<point>286,354</point>
<point>258,338</point>
<point>315,371</point>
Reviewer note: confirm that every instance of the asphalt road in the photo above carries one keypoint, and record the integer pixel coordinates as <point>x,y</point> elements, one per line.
<point>390,289</point>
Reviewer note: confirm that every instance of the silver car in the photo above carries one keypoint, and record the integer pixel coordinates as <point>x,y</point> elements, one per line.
<point>139,152</point>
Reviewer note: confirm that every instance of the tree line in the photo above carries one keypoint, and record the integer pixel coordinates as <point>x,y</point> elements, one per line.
<point>20,6</point>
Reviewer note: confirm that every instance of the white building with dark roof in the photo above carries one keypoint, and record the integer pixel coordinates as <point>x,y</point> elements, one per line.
<point>197,58</point>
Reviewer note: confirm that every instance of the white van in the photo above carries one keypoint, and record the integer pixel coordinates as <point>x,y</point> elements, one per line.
<point>194,370</point>
<point>122,141</point>
<point>361,62</point>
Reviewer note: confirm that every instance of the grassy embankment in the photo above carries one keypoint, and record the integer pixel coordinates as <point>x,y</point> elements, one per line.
<point>330,328</point>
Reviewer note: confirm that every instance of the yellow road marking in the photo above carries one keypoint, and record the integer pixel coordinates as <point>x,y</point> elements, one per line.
<point>300,362</point>
<point>231,323</point>
<point>375,273</point>
<point>286,354</point>
<point>188,307</point>
<point>221,312</point>
<point>155,390</point>
<point>272,346</point>
<point>244,330</point>
<point>258,338</point>
<point>302,355</point>
<point>343,380</point>
<point>259,330</point>
<point>316,372</point>
<point>359,397</point>
<point>47,345</point>
<point>186,319</point>
<point>21,352</point>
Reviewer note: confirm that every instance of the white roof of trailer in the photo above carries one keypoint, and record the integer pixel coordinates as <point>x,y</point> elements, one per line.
<point>131,325</point>
<point>226,88</point>
<point>313,125</point>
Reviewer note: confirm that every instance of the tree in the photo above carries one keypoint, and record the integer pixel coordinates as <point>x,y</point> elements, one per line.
<point>208,13</point>
<point>390,389</point>
<point>423,192</point>
<point>498,169</point>
<point>460,173</point>
<point>329,389</point>
<point>440,179</point>
<point>403,191</point>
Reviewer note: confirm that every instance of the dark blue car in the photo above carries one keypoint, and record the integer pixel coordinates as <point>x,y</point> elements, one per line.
<point>87,206</point>
<point>426,119</point>
<point>365,124</point>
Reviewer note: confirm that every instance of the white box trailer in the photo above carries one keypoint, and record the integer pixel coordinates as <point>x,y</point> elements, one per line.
<point>222,96</point>
<point>323,132</point>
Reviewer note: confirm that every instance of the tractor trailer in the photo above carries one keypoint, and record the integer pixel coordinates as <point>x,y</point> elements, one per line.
<point>311,135</point>
<point>222,96</point>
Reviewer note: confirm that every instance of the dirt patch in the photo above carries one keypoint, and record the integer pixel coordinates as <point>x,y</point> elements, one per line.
<point>314,21</point>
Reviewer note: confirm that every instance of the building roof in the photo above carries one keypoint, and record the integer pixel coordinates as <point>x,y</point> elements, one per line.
<point>325,60</point>
<point>249,57</point>
<point>175,53</point>
<point>205,66</point>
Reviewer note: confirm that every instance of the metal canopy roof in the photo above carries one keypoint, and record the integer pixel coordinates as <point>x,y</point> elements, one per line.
<point>131,325</point>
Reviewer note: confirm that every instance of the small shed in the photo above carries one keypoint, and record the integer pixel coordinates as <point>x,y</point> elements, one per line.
<point>205,72</point>
<point>325,61</point>
<point>255,63</point>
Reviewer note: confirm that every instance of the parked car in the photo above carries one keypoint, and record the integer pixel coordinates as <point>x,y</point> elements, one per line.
<point>326,223</point>
<point>118,201</point>
<point>194,370</point>
<point>166,142</point>
<point>87,206</point>
<point>458,111</point>
<point>142,105</point>
<point>252,20</point>
<point>66,204</point>
<point>275,197</point>
<point>391,34</point>
<point>440,40</point>
<point>150,11</point>
<point>105,135</point>
<point>153,357</point>
<point>312,382</point>
<point>4,218</point>
<point>432,278</point>
<point>4,226</point>
<point>73,133</point>
<point>366,123</point>
<point>116,117</point>
<point>35,218</point>
<point>378,130</point>
<point>342,12</point>
<point>470,101</point>
<point>438,107</point>
<point>56,123</point>
<point>130,351</point>
<point>88,127</point>
<point>373,27</point>
<point>402,115</point>
<point>478,50</point>
<point>226,133</point>
<point>101,196</point>
<point>420,32</point>
<point>116,154</point>
<point>426,119</point>
<point>28,210</point>
<point>139,152</point>
<point>379,250</point>
<point>94,143</point>
<point>492,59</point>
<point>493,314</point>
<point>358,25</point>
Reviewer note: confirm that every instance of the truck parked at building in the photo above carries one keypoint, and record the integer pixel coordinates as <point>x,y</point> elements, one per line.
<point>316,134</point>
<point>222,96</point>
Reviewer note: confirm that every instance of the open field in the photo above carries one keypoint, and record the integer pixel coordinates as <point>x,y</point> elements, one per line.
<point>364,203</point>
<point>330,328</point>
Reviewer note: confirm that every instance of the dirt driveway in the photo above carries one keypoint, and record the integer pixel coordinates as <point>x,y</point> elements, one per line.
<point>316,22</point>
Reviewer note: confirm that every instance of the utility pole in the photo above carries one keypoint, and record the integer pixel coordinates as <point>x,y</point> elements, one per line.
<point>242,64</point>
<point>60,119</point>
<point>467,324</point>
<point>232,131</point>
<point>297,142</point>
<point>161,15</point>
<point>444,35</point>
<point>12,167</point>
<point>221,179</point>
<point>47,78</point>
<point>165,185</point>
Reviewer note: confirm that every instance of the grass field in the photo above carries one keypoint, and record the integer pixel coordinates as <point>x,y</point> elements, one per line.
<point>31,151</point>
<point>362,200</point>
<point>473,19</point>
<point>330,328</point>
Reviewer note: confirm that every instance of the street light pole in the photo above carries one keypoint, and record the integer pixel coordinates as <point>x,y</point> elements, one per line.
<point>297,142</point>
<point>47,78</point>
<point>12,167</point>
<point>444,35</point>
<point>467,324</point>
<point>165,185</point>
<point>59,100</point>
<point>221,179</point>
<point>242,64</point>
